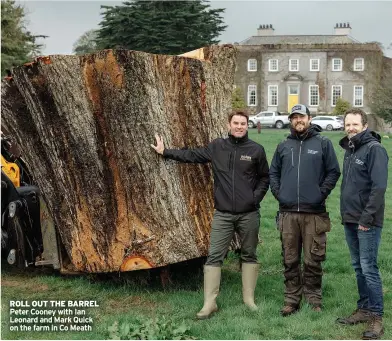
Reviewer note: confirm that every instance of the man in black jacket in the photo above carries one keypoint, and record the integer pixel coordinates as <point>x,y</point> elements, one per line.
<point>303,172</point>
<point>362,205</point>
<point>240,170</point>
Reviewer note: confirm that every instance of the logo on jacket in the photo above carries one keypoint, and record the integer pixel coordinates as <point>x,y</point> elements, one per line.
<point>246,158</point>
<point>359,162</point>
<point>310,151</point>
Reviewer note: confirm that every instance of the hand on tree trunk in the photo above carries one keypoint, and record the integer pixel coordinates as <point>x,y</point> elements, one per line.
<point>159,148</point>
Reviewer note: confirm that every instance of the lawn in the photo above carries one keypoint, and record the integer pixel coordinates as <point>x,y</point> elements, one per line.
<point>141,300</point>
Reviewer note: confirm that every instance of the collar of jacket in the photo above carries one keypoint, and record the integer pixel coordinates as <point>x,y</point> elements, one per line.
<point>358,140</point>
<point>237,140</point>
<point>313,130</point>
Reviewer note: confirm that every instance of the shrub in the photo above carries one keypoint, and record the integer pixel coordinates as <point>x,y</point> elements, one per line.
<point>237,99</point>
<point>341,106</point>
<point>149,329</point>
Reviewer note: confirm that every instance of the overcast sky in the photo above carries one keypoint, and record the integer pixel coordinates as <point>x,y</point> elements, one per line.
<point>65,21</point>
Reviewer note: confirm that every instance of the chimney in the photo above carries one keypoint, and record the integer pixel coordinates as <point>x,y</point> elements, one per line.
<point>343,29</point>
<point>265,30</point>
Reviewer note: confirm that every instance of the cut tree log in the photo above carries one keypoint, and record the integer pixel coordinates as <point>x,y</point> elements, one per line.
<point>84,125</point>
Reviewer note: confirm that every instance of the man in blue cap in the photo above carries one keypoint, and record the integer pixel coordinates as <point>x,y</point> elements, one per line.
<point>303,173</point>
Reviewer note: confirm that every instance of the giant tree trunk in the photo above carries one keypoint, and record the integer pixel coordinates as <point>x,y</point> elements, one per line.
<point>85,125</point>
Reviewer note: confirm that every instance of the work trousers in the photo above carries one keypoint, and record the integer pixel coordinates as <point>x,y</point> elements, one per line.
<point>303,232</point>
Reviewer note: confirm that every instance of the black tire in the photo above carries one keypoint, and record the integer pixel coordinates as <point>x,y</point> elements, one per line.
<point>329,127</point>
<point>251,124</point>
<point>279,125</point>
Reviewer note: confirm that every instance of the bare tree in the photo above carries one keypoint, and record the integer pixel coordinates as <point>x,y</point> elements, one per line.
<point>86,43</point>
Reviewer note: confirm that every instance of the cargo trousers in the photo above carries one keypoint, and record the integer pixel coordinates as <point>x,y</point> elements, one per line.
<point>303,232</point>
<point>222,231</point>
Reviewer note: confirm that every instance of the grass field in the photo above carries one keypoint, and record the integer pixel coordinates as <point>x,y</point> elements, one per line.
<point>127,299</point>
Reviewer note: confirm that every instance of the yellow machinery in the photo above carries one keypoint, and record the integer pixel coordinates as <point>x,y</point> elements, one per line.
<point>11,170</point>
<point>28,236</point>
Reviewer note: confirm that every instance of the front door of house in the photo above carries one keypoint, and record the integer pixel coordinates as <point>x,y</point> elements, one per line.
<point>293,96</point>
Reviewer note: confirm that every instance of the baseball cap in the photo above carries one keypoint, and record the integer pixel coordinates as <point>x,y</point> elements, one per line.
<point>299,109</point>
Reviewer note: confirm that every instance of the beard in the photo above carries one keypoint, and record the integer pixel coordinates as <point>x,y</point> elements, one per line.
<point>301,127</point>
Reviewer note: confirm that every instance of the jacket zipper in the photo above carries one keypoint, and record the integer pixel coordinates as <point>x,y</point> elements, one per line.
<point>299,164</point>
<point>292,157</point>
<point>233,191</point>
<point>349,164</point>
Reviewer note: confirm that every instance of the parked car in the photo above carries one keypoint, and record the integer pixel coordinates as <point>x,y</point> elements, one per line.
<point>328,122</point>
<point>269,118</point>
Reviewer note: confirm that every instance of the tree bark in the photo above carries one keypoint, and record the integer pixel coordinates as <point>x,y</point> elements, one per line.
<point>85,125</point>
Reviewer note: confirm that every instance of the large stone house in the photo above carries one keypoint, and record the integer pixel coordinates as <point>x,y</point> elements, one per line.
<point>274,72</point>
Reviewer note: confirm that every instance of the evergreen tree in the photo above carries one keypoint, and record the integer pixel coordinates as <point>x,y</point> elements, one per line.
<point>237,99</point>
<point>164,27</point>
<point>18,45</point>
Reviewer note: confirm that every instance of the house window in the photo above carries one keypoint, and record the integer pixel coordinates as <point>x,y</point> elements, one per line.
<point>337,64</point>
<point>358,96</point>
<point>273,65</point>
<point>294,65</point>
<point>314,95</point>
<point>315,65</point>
<point>252,95</point>
<point>252,65</point>
<point>359,64</point>
<point>336,94</point>
<point>272,95</point>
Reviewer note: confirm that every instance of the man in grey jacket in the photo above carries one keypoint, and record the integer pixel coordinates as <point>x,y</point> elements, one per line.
<point>303,172</point>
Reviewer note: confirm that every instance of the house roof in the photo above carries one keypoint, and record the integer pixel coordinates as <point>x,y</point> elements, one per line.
<point>300,39</point>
